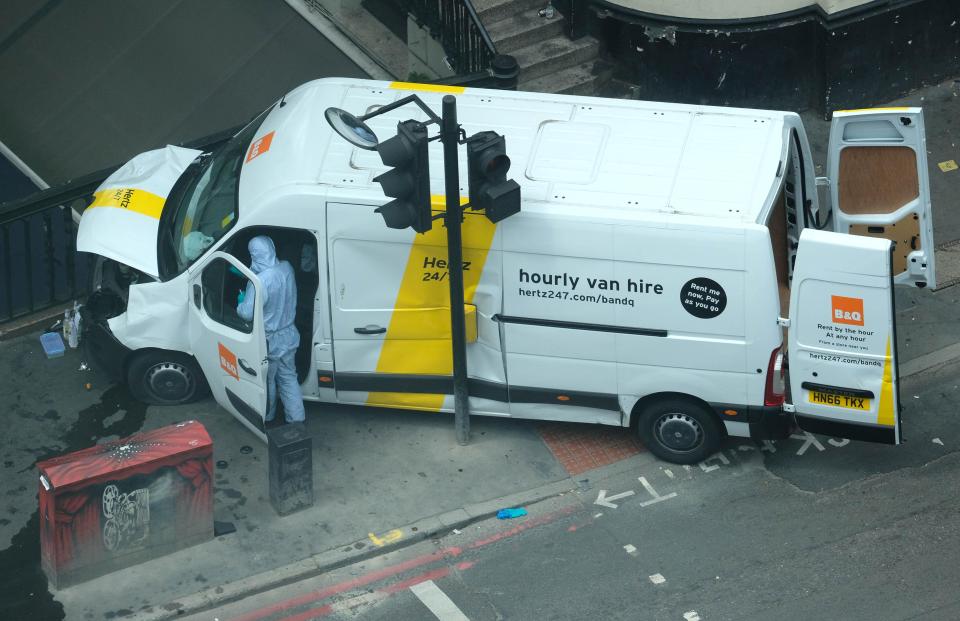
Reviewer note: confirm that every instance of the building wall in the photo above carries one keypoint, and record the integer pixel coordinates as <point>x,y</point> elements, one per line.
<point>808,58</point>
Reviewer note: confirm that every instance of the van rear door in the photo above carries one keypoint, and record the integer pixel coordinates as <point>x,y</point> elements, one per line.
<point>879,185</point>
<point>842,339</point>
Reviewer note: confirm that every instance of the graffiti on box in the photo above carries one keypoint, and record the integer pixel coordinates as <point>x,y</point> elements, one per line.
<point>127,518</point>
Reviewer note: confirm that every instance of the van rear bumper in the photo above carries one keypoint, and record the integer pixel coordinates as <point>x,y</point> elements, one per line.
<point>769,423</point>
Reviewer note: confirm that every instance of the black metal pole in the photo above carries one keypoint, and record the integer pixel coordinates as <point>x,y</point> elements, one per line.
<point>450,137</point>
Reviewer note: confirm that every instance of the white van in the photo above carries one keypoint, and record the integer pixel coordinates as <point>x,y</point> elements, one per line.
<point>665,260</point>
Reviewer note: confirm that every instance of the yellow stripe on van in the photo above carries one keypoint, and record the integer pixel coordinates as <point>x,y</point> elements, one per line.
<point>418,339</point>
<point>428,88</point>
<point>885,415</point>
<point>131,199</point>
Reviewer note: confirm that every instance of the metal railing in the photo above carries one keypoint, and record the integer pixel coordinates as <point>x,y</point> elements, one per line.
<point>39,264</point>
<point>456,25</point>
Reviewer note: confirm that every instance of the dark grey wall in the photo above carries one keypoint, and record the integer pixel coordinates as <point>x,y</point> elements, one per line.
<point>797,61</point>
<point>85,84</point>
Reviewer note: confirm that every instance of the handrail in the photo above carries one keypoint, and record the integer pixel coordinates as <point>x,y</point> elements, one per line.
<point>457,26</point>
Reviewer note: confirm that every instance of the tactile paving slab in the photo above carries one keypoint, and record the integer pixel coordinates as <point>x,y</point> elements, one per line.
<point>580,447</point>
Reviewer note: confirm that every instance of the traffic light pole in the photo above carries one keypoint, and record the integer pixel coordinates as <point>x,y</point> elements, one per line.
<point>450,137</point>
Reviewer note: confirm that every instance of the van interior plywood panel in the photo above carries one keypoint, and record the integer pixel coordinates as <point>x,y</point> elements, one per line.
<point>876,180</point>
<point>777,226</point>
<point>905,233</point>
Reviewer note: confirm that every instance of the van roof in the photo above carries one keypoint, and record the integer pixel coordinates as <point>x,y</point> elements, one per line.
<point>629,159</point>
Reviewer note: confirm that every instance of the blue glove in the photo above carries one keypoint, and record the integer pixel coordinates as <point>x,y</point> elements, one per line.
<point>236,272</point>
<point>241,296</point>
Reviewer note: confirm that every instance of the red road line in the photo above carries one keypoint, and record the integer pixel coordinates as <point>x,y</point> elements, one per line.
<point>313,613</point>
<point>435,574</point>
<point>374,576</point>
<point>393,570</point>
<point>519,528</point>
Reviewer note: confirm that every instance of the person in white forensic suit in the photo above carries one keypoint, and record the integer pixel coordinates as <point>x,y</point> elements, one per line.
<point>279,289</point>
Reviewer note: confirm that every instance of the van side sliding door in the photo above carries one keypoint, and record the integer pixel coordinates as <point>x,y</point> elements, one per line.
<point>880,187</point>
<point>842,338</point>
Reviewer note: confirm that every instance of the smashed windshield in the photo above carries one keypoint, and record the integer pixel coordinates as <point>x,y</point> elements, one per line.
<point>207,205</point>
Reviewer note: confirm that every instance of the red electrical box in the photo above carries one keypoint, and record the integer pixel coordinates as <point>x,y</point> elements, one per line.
<point>124,502</point>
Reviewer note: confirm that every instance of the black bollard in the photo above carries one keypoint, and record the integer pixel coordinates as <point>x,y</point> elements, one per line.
<point>505,71</point>
<point>290,451</point>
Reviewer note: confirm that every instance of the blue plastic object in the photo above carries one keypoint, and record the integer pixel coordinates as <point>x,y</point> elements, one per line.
<point>241,297</point>
<point>506,514</point>
<point>52,344</point>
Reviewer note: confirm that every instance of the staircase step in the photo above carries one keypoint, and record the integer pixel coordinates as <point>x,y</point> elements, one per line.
<point>554,55</point>
<point>491,11</point>
<point>581,79</point>
<point>523,29</point>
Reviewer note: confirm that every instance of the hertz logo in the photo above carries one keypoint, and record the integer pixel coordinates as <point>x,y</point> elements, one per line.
<point>847,310</point>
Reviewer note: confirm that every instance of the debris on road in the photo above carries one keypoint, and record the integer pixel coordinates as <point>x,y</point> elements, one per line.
<point>52,344</point>
<point>938,441</point>
<point>507,514</point>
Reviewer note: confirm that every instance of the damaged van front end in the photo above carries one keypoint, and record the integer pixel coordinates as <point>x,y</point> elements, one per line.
<point>122,316</point>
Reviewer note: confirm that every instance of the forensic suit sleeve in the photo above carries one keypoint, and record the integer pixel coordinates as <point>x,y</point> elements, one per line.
<point>245,308</point>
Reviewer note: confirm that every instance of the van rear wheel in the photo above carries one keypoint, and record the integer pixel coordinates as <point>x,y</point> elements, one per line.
<point>679,431</point>
<point>165,378</point>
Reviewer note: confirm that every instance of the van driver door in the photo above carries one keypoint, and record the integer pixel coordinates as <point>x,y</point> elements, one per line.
<point>231,351</point>
<point>880,187</point>
<point>843,372</point>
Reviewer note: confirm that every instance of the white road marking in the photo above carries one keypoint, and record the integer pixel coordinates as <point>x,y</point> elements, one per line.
<point>668,472</point>
<point>629,549</point>
<point>808,441</point>
<point>838,443</point>
<point>720,456</point>
<point>437,601</point>
<point>657,579</point>
<point>607,501</point>
<point>597,515</point>
<point>656,497</point>
<point>691,616</point>
<point>768,446</point>
<point>938,441</point>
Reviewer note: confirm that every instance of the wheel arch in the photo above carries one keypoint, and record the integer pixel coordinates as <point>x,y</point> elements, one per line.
<point>652,398</point>
<point>143,351</point>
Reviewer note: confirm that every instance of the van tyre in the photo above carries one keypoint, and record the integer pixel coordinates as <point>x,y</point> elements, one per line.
<point>679,431</point>
<point>165,378</point>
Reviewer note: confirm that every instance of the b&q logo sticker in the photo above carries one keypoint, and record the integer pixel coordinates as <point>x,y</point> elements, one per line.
<point>228,361</point>
<point>260,146</point>
<point>847,310</point>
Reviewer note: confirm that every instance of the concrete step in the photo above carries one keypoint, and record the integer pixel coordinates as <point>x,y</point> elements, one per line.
<point>582,79</point>
<point>554,55</point>
<point>491,11</point>
<point>523,29</point>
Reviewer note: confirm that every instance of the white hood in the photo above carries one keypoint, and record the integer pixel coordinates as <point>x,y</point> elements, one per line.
<point>122,222</point>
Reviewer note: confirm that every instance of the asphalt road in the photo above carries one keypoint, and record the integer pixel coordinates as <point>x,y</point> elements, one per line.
<point>810,527</point>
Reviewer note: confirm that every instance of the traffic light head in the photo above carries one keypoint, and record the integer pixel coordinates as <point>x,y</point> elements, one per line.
<point>488,164</point>
<point>408,181</point>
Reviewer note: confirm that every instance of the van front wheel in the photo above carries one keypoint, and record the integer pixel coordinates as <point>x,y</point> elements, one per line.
<point>165,378</point>
<point>679,431</point>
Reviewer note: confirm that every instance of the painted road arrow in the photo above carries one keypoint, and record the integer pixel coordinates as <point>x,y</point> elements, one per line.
<point>606,501</point>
